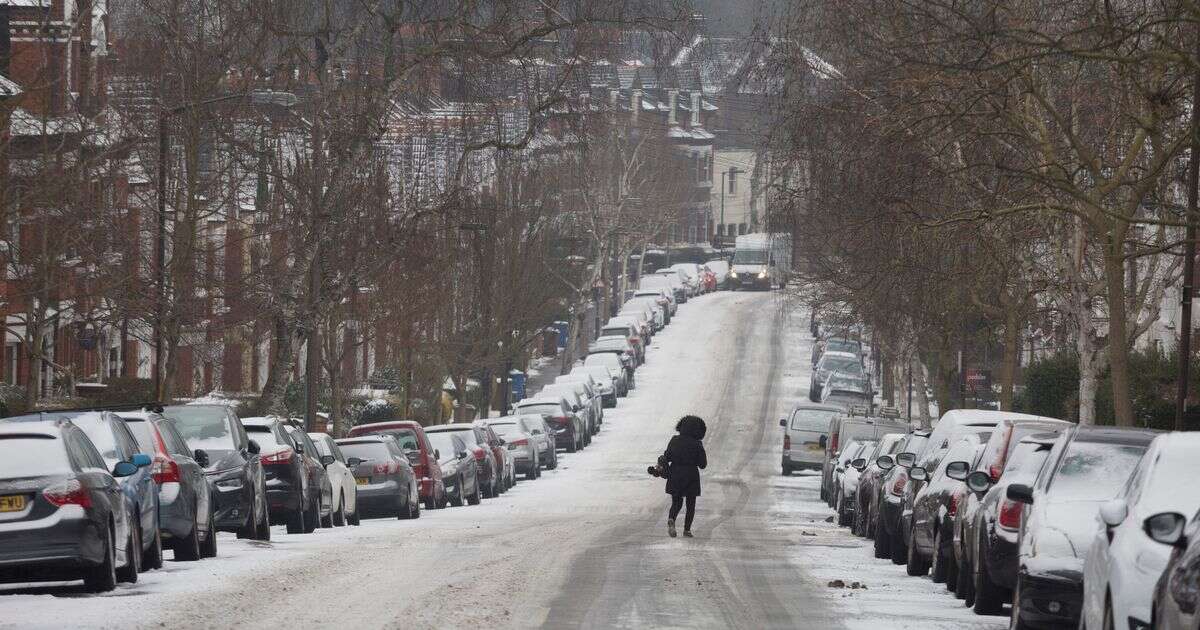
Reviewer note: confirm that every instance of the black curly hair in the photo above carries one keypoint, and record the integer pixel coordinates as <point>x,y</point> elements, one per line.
<point>691,426</point>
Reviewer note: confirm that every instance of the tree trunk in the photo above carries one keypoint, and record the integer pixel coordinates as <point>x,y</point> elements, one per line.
<point>919,390</point>
<point>279,370</point>
<point>1089,375</point>
<point>1118,338</point>
<point>1012,356</point>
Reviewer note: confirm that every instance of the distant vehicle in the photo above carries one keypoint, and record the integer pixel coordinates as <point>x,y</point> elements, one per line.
<point>761,261</point>
<point>833,363</point>
<point>615,366</point>
<point>489,468</point>
<point>595,390</point>
<point>504,457</point>
<point>626,329</point>
<point>411,434</point>
<point>186,509</point>
<point>606,382</point>
<point>805,432</point>
<point>847,391</point>
<point>845,479</point>
<point>234,471</point>
<point>1083,471</point>
<point>692,276</point>
<point>889,504</point>
<point>287,475</point>
<point>844,428</point>
<point>578,403</point>
<point>543,437</point>
<point>64,515</point>
<point>668,281</point>
<point>517,432</point>
<point>664,296</point>
<point>385,479</point>
<point>1140,528</point>
<point>568,427</point>
<point>459,470</point>
<point>720,271</point>
<point>341,480</point>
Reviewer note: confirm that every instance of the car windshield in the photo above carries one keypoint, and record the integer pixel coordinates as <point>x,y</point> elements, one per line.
<point>407,439</point>
<point>32,456</point>
<point>603,359</point>
<point>322,446</point>
<point>365,450</point>
<point>1094,471</point>
<point>546,408</point>
<point>1025,461</point>
<point>847,384</point>
<point>505,428</point>
<point>840,364</point>
<point>203,428</point>
<point>467,435</point>
<point>812,419</point>
<point>750,257</point>
<point>101,436</point>
<point>614,331</point>
<point>267,440</point>
<point>841,345</point>
<point>141,430</point>
<point>443,443</point>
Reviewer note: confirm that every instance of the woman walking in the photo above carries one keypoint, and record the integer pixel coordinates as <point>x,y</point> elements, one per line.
<point>683,460</point>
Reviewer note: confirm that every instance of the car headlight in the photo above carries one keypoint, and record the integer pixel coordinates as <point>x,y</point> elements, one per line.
<point>762,274</point>
<point>732,274</point>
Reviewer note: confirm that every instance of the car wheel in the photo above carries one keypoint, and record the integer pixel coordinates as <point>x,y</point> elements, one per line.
<point>843,517</point>
<point>431,503</point>
<point>415,504</point>
<point>339,517</point>
<point>103,577</point>
<point>475,498</point>
<point>939,570</point>
<point>573,446</point>
<point>262,531</point>
<point>553,461</point>
<point>153,558</point>
<point>208,548</point>
<point>187,549</point>
<point>313,519</point>
<point>883,545</point>
<point>403,508</point>
<point>295,522</point>
<point>133,557</point>
<point>824,495</point>
<point>899,550</point>
<point>459,498</point>
<point>533,472</point>
<point>326,521</point>
<point>787,470</point>
<point>989,598</point>
<point>965,587</point>
<point>917,565</point>
<point>1109,624</point>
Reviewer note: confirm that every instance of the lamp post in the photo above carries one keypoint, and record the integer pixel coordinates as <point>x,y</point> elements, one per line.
<point>260,97</point>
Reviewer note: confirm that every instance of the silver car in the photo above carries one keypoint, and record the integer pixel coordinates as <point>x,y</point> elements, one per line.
<point>518,438</point>
<point>579,403</point>
<point>606,378</point>
<point>613,364</point>
<point>805,432</point>
<point>592,387</point>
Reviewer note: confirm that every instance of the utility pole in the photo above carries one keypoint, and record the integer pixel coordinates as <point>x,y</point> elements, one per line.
<point>1189,260</point>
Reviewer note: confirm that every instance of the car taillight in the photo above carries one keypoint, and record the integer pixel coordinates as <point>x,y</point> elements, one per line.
<point>994,472</point>
<point>898,485</point>
<point>386,469</point>
<point>953,509</point>
<point>787,442</point>
<point>833,444</point>
<point>164,470</point>
<point>515,443</point>
<point>278,457</point>
<point>69,492</point>
<point>479,454</point>
<point>1010,514</point>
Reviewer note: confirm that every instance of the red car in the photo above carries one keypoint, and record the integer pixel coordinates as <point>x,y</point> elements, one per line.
<point>504,458</point>
<point>411,437</point>
<point>708,279</point>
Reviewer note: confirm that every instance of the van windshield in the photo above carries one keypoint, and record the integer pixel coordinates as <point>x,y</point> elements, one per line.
<point>812,419</point>
<point>750,257</point>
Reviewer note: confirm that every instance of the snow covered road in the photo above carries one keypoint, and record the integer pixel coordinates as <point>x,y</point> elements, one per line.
<point>586,545</point>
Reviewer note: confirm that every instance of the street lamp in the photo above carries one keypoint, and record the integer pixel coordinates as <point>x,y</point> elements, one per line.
<point>258,97</point>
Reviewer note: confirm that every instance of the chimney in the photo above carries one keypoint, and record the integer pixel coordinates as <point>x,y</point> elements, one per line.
<point>695,109</point>
<point>672,105</point>
<point>635,104</point>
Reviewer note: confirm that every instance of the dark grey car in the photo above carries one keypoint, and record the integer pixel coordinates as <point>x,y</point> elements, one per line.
<point>385,479</point>
<point>459,471</point>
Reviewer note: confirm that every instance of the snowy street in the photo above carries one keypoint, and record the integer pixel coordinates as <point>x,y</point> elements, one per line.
<point>585,546</point>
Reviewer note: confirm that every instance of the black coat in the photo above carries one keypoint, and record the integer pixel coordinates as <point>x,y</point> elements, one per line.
<point>685,455</point>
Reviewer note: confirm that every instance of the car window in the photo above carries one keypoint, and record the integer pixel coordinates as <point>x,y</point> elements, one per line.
<point>549,408</point>
<point>322,445</point>
<point>1133,486</point>
<point>268,439</point>
<point>504,429</point>
<point>445,444</point>
<point>141,432</point>
<point>33,456</point>
<point>1093,471</point>
<point>366,450</point>
<point>812,419</point>
<point>88,456</point>
<point>174,442</point>
<point>101,435</point>
<point>125,440</point>
<point>204,428</point>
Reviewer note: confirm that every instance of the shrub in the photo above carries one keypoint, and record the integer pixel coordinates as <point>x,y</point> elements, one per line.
<point>126,390</point>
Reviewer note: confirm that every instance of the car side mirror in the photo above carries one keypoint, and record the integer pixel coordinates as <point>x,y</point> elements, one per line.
<point>906,460</point>
<point>299,448</point>
<point>958,470</point>
<point>1166,528</point>
<point>1114,511</point>
<point>918,473</point>
<point>979,481</point>
<point>124,469</point>
<point>254,448</point>
<point>201,457</point>
<point>141,460</point>
<point>437,453</point>
<point>824,439</point>
<point>1020,493</point>
<point>501,442</point>
<point>859,464</point>
<point>327,460</point>
<point>462,454</point>
<point>537,432</point>
<point>783,422</point>
<point>885,462</point>
<point>354,461</point>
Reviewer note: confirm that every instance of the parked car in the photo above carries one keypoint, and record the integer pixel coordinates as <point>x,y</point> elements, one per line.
<point>625,328</point>
<point>505,459</point>
<point>65,515</point>
<point>663,296</point>
<point>543,437</point>
<point>720,271</point>
<point>1084,470</point>
<point>578,403</point>
<point>839,363</point>
<point>490,468</point>
<point>844,428</point>
<point>319,487</point>
<point>385,479</point>
<point>1178,588</point>
<point>691,276</point>
<point>517,433</point>
<point>616,365</point>
<point>569,427</point>
<point>805,434</point>
<point>668,281</point>
<point>287,475</point>
<point>1001,447</point>
<point>845,479</point>
<point>589,392</point>
<point>870,476</point>
<point>341,480</point>
<point>606,382</point>
<point>234,471</point>
<point>936,505</point>
<point>1127,552</point>
<point>411,434</point>
<point>186,510</point>
<point>116,443</point>
<point>847,391</point>
<point>889,503</point>
<point>459,470</point>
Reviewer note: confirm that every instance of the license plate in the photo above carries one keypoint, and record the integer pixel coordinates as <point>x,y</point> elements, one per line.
<point>815,446</point>
<point>12,503</point>
<point>362,481</point>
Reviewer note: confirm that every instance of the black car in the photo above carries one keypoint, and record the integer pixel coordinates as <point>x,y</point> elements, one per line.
<point>385,478</point>
<point>934,507</point>
<point>320,490</point>
<point>1086,468</point>
<point>889,502</point>
<point>459,470</point>
<point>287,475</point>
<point>234,471</point>
<point>50,472</point>
<point>186,511</point>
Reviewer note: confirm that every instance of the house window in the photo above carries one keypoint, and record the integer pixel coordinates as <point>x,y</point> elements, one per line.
<point>741,228</point>
<point>11,351</point>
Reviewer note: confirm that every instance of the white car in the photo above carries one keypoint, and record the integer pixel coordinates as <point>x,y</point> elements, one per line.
<point>690,273</point>
<point>341,479</point>
<point>1124,562</point>
<point>517,433</point>
<point>602,385</point>
<point>663,296</point>
<point>720,269</point>
<point>615,381</point>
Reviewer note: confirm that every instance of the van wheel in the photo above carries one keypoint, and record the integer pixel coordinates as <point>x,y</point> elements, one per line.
<point>103,577</point>
<point>133,558</point>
